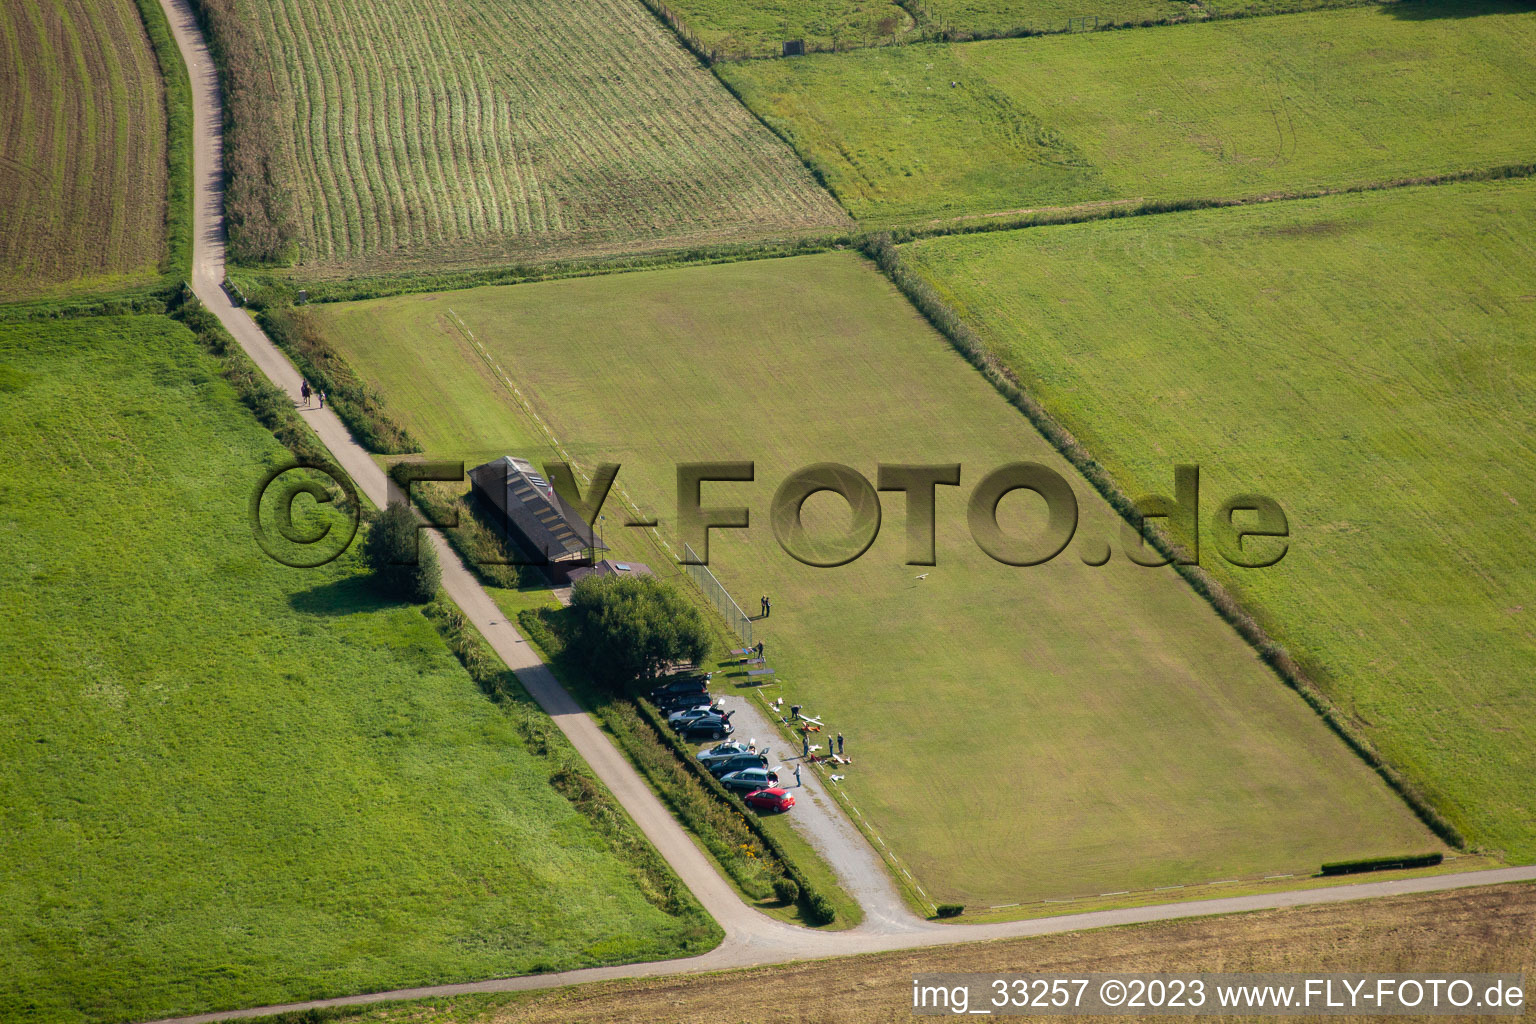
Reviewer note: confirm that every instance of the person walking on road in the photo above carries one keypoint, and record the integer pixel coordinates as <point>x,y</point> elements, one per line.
<point>839,744</point>
<point>304,394</point>
<point>797,776</point>
<point>322,399</point>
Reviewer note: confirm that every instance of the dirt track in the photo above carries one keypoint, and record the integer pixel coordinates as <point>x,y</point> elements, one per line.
<point>751,937</point>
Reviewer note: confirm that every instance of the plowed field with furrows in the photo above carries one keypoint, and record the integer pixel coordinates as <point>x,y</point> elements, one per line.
<point>483,130</point>
<point>82,165</point>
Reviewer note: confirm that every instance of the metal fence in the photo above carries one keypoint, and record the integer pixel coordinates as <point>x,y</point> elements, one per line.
<point>718,596</point>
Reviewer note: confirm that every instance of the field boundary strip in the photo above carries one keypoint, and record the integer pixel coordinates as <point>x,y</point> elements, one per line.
<point>176,91</point>
<point>1114,209</point>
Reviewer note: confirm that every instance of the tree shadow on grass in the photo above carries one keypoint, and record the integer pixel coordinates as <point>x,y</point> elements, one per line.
<point>346,596</point>
<point>1428,10</point>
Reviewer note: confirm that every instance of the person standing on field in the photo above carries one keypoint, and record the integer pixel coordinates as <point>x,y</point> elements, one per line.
<point>839,744</point>
<point>805,744</point>
<point>767,607</point>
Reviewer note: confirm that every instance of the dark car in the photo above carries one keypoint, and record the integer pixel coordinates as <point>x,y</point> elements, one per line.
<point>680,701</point>
<point>706,729</point>
<point>697,683</point>
<point>773,799</point>
<point>736,763</point>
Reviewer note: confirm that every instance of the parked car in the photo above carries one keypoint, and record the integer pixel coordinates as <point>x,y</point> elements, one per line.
<point>773,799</point>
<point>710,728</point>
<point>680,701</point>
<point>722,750</point>
<point>677,718</point>
<point>750,780</point>
<point>727,765</point>
<point>696,683</point>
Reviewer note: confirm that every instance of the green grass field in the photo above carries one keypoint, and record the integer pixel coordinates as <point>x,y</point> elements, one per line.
<point>1224,109</point>
<point>83,159</point>
<point>225,783</point>
<point>451,134</point>
<point>1366,360</point>
<point>1017,733</point>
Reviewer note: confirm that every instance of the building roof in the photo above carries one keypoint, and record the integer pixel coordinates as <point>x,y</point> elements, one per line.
<point>608,567</point>
<point>548,525</point>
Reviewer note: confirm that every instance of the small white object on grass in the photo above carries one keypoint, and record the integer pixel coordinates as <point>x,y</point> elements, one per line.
<point>837,778</point>
<point>923,576</point>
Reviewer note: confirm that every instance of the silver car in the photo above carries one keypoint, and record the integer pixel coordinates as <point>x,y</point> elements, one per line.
<point>750,780</point>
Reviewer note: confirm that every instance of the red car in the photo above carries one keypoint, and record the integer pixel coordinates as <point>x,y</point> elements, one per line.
<point>770,800</point>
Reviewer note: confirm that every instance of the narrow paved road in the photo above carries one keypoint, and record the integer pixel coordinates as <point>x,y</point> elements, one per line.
<point>751,937</point>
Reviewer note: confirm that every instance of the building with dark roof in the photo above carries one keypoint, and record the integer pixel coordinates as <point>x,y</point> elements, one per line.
<point>532,515</point>
<point>611,568</point>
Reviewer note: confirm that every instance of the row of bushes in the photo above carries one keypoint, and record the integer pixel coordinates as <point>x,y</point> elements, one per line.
<point>569,775</point>
<point>883,251</point>
<point>755,859</point>
<point>719,827</point>
<point>1355,867</point>
<point>1113,209</point>
<point>935,28</point>
<point>153,300</point>
<point>272,407</point>
<point>177,263</point>
<point>359,405</point>
<point>258,204</point>
<point>478,543</point>
<point>816,905</point>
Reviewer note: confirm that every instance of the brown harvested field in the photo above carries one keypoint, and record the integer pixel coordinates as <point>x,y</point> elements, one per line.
<point>1474,930</point>
<point>82,168</point>
<point>446,133</point>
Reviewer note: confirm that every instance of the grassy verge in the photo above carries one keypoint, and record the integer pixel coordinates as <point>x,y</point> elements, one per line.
<point>359,406</point>
<point>177,264</point>
<point>269,287</point>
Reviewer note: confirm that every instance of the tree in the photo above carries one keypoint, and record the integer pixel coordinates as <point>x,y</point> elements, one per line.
<point>626,629</point>
<point>403,565</point>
